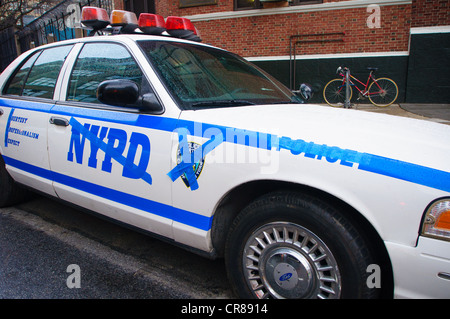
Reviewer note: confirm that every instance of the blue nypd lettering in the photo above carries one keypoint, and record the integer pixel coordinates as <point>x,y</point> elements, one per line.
<point>331,154</point>
<point>114,148</point>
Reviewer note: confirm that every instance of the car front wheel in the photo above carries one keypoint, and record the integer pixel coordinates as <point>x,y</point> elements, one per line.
<point>291,245</point>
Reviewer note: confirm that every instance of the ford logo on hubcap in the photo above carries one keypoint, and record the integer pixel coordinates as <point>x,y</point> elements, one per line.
<point>286,276</point>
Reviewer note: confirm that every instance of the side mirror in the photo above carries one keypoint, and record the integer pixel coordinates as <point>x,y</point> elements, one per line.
<point>118,92</point>
<point>126,93</point>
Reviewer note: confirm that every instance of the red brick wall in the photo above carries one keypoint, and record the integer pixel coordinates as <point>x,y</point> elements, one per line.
<point>118,4</point>
<point>427,13</point>
<point>171,8</point>
<point>269,35</point>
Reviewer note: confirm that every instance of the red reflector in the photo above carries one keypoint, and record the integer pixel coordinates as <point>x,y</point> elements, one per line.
<point>178,23</point>
<point>95,18</point>
<point>151,23</point>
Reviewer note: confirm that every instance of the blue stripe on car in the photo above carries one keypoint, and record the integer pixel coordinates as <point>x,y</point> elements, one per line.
<point>384,166</point>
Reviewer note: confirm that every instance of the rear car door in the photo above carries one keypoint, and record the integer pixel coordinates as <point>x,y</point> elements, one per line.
<point>25,103</point>
<point>110,159</point>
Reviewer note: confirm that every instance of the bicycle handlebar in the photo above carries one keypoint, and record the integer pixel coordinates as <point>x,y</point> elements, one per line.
<point>342,70</point>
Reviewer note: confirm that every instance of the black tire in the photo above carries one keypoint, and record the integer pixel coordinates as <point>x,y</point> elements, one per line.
<point>10,192</point>
<point>290,245</point>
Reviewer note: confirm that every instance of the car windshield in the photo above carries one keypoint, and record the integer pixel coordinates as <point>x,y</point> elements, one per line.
<point>204,77</point>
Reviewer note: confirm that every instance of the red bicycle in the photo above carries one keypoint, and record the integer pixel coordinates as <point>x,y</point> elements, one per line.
<point>381,92</point>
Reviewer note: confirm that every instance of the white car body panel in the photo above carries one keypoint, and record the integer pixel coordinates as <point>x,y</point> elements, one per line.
<point>418,270</point>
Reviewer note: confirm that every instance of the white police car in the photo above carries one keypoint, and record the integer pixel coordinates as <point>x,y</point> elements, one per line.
<point>194,144</point>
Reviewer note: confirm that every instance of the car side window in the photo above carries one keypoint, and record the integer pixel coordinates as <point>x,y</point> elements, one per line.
<point>15,86</point>
<point>38,76</point>
<point>98,62</point>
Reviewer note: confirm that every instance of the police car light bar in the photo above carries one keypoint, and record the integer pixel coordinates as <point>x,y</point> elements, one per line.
<point>151,23</point>
<point>126,22</point>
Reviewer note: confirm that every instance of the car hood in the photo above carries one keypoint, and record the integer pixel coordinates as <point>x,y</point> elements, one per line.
<point>405,139</point>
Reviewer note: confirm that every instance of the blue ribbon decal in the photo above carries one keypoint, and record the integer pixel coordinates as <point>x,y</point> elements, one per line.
<point>188,159</point>
<point>110,151</point>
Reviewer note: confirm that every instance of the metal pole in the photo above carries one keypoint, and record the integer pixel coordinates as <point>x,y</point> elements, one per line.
<point>347,89</point>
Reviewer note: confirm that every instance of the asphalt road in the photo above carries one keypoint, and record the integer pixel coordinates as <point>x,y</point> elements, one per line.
<point>51,251</point>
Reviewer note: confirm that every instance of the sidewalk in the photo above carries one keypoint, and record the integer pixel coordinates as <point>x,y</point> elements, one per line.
<point>432,112</point>
<point>439,112</point>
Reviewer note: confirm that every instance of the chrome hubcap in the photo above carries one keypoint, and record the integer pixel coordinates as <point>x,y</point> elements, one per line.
<point>285,260</point>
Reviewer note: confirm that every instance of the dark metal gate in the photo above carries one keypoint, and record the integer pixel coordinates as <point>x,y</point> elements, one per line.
<point>59,23</point>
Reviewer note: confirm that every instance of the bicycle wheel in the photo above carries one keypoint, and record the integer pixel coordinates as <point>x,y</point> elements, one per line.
<point>383,92</point>
<point>334,93</point>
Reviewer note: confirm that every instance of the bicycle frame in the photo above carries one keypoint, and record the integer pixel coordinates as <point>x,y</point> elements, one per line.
<point>364,92</point>
<point>381,92</point>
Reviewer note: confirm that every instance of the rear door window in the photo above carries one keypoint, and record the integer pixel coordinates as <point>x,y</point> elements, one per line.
<point>38,76</point>
<point>16,84</point>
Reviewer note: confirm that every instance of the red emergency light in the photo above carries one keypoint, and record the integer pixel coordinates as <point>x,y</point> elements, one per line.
<point>151,23</point>
<point>94,18</point>
<point>179,23</point>
<point>181,28</point>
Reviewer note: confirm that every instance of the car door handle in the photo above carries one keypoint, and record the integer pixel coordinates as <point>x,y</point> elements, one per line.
<point>60,121</point>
